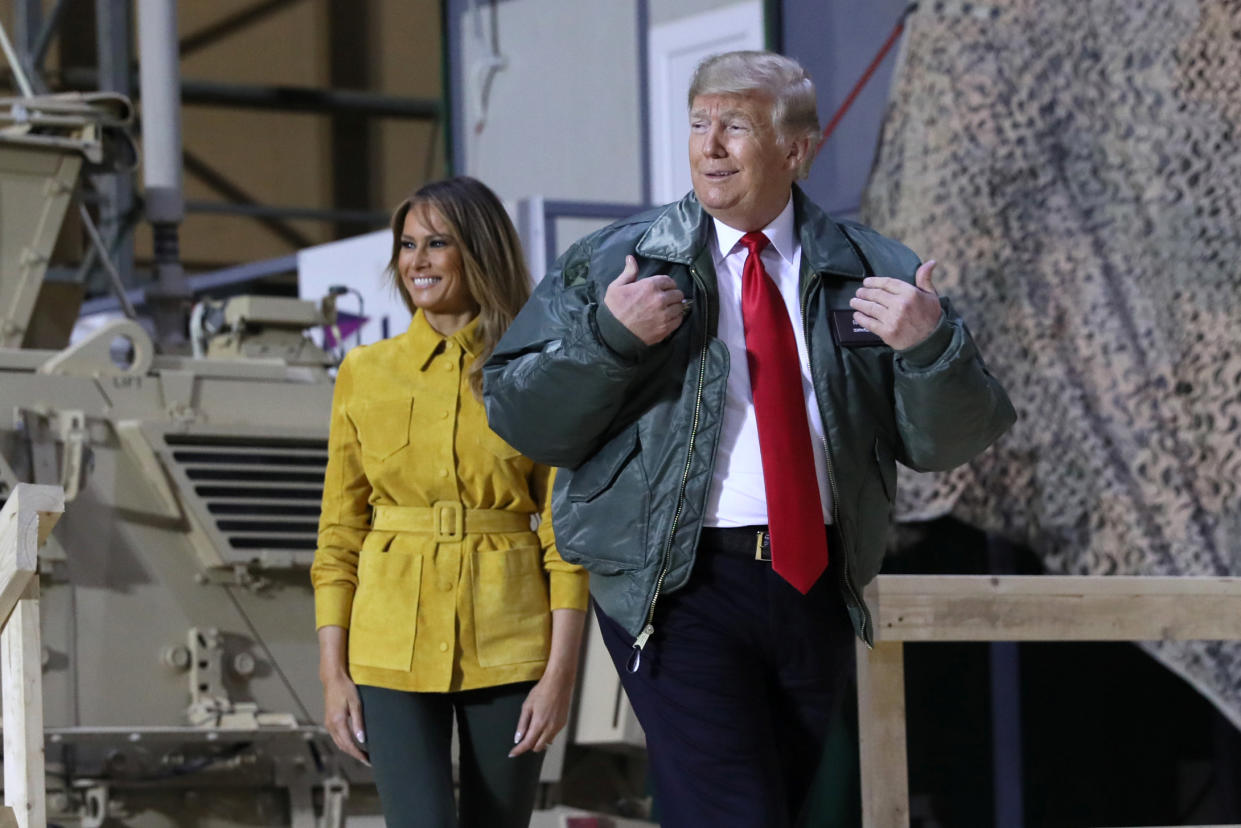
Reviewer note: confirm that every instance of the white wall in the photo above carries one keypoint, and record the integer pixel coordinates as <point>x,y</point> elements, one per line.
<point>563,116</point>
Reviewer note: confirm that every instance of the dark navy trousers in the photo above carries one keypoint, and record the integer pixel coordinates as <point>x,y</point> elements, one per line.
<point>736,689</point>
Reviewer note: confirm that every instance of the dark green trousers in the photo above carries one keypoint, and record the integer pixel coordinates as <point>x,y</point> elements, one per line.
<point>409,738</point>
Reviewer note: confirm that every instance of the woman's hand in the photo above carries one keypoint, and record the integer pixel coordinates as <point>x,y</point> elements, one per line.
<point>546,708</point>
<point>544,713</point>
<point>342,707</point>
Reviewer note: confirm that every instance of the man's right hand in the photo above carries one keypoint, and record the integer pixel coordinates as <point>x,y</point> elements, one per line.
<point>650,308</point>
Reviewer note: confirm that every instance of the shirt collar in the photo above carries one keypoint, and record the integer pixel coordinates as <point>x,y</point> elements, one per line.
<point>426,341</point>
<point>779,233</point>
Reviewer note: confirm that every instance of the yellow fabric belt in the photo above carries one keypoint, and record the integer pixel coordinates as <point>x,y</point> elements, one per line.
<point>448,520</point>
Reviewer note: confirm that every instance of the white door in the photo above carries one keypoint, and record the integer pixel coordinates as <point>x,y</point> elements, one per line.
<point>675,49</point>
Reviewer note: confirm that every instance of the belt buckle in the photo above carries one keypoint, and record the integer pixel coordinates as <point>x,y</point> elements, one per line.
<point>449,518</point>
<point>762,543</point>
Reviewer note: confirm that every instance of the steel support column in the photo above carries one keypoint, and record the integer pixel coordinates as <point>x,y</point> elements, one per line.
<point>349,50</point>
<point>43,42</point>
<point>1007,742</point>
<point>28,24</point>
<point>113,23</point>
<point>160,75</point>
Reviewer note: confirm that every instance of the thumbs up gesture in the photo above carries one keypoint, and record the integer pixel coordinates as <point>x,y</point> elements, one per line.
<point>650,308</point>
<point>900,313</point>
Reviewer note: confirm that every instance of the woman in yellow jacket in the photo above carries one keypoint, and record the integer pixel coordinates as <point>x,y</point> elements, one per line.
<point>434,599</point>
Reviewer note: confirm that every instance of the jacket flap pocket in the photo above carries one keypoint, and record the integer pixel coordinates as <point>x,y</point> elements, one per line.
<point>512,616</point>
<point>599,472</point>
<point>383,425</point>
<point>385,609</point>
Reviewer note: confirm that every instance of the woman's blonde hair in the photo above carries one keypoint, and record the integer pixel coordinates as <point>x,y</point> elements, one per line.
<point>491,259</point>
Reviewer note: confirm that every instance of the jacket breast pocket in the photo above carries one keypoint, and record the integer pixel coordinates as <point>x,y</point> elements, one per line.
<point>512,615</point>
<point>385,606</point>
<point>608,497</point>
<point>383,425</point>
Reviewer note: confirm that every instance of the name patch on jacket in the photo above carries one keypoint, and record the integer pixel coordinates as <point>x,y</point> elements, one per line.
<point>849,333</point>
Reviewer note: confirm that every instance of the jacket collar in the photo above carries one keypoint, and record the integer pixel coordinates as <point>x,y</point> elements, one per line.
<point>780,234</point>
<point>425,341</point>
<point>681,231</point>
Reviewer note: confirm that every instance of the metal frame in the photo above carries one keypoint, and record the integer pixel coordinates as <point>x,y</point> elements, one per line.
<point>644,97</point>
<point>553,210</point>
<point>117,213</point>
<point>113,195</point>
<point>536,217</point>
<point>287,98</point>
<point>201,283</point>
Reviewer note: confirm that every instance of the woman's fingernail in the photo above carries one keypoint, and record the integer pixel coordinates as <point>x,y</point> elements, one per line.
<point>517,737</point>
<point>361,736</point>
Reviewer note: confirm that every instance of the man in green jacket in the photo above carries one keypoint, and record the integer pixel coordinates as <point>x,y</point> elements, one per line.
<point>727,383</point>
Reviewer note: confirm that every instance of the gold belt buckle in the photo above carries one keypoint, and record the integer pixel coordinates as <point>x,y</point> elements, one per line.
<point>762,541</point>
<point>449,521</point>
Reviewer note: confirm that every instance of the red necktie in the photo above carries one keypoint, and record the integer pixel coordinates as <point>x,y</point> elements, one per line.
<point>794,511</point>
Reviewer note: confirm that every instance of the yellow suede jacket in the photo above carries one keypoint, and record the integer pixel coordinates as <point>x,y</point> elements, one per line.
<point>425,548</point>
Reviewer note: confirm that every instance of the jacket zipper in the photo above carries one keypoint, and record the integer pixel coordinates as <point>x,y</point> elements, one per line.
<point>831,481</point>
<point>635,658</point>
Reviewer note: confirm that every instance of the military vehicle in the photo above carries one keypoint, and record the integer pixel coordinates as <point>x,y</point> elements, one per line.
<point>180,678</point>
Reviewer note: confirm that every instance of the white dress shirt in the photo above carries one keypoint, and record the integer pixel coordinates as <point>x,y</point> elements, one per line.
<point>737,496</point>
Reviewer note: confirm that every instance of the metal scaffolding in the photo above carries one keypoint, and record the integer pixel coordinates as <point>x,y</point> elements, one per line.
<point>116,203</point>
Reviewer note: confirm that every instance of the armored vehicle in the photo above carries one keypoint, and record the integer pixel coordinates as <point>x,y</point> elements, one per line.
<point>180,662</point>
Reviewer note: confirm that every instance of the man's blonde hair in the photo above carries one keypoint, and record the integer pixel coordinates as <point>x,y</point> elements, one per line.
<point>794,111</point>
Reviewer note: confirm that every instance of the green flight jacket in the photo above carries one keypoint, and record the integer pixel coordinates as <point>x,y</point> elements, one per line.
<point>634,427</point>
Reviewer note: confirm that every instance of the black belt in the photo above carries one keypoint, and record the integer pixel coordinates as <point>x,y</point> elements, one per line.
<point>749,542</point>
<point>752,543</point>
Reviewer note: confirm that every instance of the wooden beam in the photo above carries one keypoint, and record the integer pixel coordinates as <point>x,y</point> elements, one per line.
<point>25,523</point>
<point>28,517</point>
<point>21,671</point>
<point>881,735</point>
<point>1009,608</point>
<point>1055,608</point>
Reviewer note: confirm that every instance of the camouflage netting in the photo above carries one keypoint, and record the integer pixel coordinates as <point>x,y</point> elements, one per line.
<point>1074,165</point>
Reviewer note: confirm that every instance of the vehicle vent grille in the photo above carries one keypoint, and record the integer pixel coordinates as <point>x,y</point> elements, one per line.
<point>261,493</point>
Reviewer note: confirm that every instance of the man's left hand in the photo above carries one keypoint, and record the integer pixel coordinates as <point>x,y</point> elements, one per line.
<point>900,313</point>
